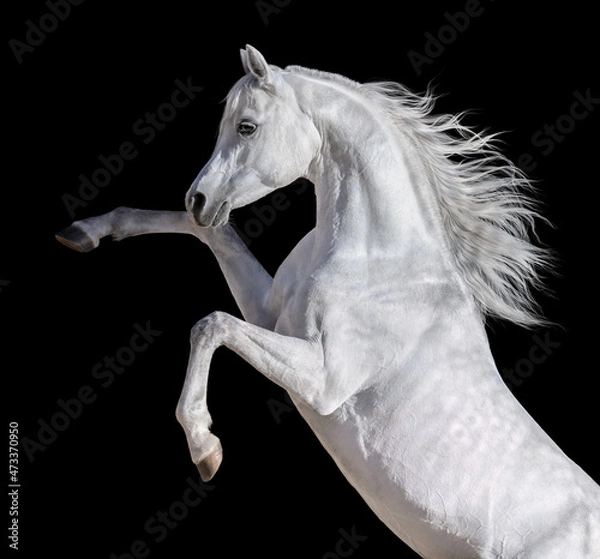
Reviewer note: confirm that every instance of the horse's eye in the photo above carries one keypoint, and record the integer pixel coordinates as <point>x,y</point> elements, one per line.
<point>246,128</point>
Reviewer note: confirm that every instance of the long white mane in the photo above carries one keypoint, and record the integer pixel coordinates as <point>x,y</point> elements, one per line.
<point>485,201</point>
<point>485,204</point>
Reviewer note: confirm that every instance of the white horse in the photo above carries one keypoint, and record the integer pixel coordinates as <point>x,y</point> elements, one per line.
<point>374,323</point>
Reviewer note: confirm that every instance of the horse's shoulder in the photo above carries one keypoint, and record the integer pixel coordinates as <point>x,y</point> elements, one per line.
<point>295,264</point>
<point>290,273</point>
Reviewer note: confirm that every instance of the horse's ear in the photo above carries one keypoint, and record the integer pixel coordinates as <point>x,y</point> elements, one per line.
<point>257,65</point>
<point>244,58</point>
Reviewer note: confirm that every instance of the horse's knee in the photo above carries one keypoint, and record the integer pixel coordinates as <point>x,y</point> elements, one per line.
<point>210,324</point>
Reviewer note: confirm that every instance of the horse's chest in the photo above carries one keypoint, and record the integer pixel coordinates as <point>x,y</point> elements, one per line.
<point>310,298</point>
<point>302,300</point>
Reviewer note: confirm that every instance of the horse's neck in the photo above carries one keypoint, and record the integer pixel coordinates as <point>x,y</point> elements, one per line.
<point>374,203</point>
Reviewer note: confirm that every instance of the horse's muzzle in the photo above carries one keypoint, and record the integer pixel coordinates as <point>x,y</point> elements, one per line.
<point>202,213</point>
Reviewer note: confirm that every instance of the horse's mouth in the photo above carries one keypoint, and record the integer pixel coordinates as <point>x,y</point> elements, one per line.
<point>222,216</point>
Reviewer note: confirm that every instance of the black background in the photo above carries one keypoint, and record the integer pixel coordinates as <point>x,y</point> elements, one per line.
<point>77,96</point>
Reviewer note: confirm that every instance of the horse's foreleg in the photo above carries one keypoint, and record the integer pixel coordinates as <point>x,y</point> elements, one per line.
<point>248,281</point>
<point>292,363</point>
<point>121,223</point>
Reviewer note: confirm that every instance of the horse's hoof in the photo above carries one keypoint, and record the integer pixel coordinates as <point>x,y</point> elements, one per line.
<point>75,238</point>
<point>209,465</point>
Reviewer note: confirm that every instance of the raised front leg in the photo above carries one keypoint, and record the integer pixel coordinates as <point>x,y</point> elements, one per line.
<point>121,223</point>
<point>249,282</point>
<point>292,363</point>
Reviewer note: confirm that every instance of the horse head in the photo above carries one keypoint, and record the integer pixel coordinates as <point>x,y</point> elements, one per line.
<point>265,142</point>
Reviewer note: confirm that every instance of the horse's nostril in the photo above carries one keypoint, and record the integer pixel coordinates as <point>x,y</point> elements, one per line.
<point>198,202</point>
